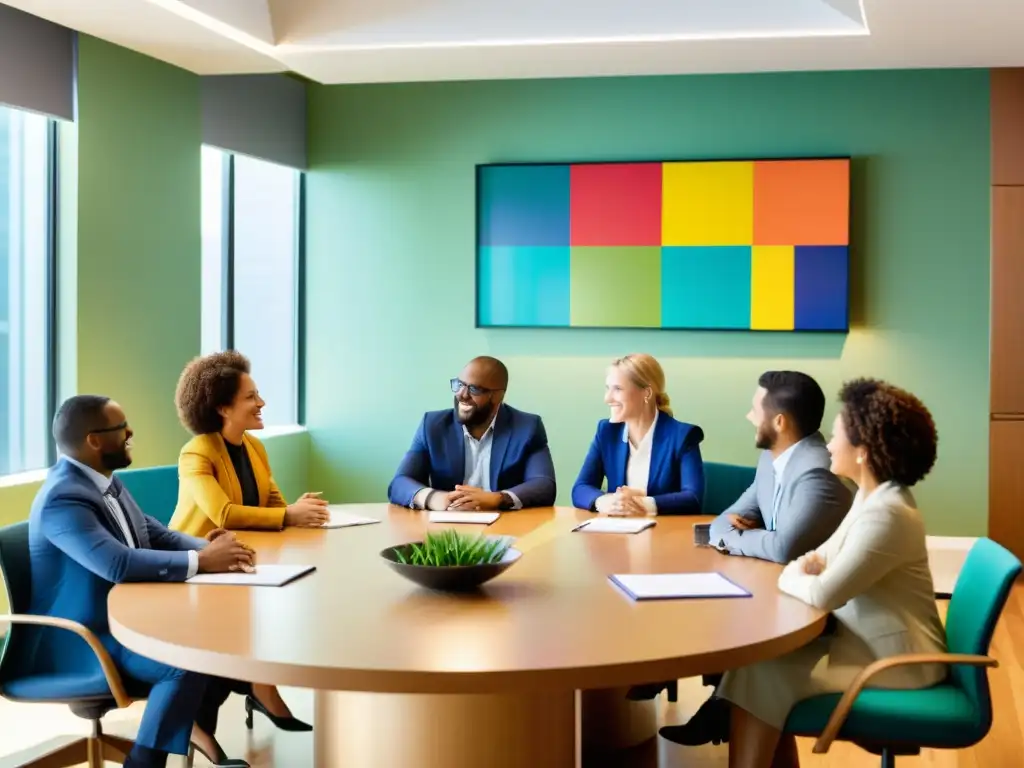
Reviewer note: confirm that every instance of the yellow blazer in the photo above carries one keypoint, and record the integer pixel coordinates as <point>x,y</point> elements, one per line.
<point>210,495</point>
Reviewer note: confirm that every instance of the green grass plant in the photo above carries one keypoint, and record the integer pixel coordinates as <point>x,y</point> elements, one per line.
<point>452,548</point>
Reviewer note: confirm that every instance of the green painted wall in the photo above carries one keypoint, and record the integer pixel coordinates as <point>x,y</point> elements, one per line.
<point>138,236</point>
<point>289,458</point>
<point>390,237</point>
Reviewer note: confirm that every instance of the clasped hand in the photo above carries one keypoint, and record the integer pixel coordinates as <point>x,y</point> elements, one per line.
<point>310,511</point>
<point>226,553</point>
<point>625,502</point>
<point>466,497</point>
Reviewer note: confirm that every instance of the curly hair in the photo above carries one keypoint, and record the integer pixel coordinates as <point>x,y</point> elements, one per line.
<point>895,427</point>
<point>206,384</point>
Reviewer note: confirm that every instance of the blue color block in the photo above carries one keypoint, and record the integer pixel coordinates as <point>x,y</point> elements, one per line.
<point>822,288</point>
<point>523,205</point>
<point>523,286</point>
<point>705,286</point>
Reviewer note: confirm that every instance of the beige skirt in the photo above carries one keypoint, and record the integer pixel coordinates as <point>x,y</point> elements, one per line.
<point>769,690</point>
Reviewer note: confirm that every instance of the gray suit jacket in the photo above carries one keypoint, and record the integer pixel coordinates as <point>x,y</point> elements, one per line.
<point>813,504</point>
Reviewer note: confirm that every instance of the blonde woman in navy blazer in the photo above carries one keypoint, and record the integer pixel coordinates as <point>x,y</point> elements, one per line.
<point>651,462</point>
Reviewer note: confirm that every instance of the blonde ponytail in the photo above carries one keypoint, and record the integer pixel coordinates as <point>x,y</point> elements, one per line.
<point>661,400</point>
<point>646,372</point>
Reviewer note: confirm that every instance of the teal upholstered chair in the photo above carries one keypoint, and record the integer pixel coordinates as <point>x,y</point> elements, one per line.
<point>952,715</point>
<point>88,695</point>
<point>155,490</point>
<point>723,484</point>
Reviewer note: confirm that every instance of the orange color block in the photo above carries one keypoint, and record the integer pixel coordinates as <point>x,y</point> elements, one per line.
<point>802,202</point>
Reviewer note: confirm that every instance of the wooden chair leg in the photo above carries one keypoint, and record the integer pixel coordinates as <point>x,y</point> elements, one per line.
<point>116,749</point>
<point>673,691</point>
<point>94,748</point>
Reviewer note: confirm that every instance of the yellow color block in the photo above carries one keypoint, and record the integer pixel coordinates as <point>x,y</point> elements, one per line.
<point>772,288</point>
<point>707,203</point>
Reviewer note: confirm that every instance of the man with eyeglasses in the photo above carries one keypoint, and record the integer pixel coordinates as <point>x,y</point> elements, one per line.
<point>479,455</point>
<point>87,534</point>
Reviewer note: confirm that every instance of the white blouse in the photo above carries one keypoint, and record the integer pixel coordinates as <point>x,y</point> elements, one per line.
<point>638,471</point>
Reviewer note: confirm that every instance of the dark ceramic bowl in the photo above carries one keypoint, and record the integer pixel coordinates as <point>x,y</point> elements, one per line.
<point>455,578</point>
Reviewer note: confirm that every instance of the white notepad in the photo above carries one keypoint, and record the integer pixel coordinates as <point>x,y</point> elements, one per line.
<point>616,525</point>
<point>666,586</point>
<point>342,519</point>
<point>264,576</point>
<point>478,518</point>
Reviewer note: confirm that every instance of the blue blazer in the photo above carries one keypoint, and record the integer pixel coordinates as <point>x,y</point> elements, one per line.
<point>520,458</point>
<point>677,471</point>
<point>78,553</point>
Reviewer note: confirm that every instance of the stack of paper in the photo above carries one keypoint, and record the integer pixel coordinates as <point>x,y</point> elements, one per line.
<point>342,519</point>
<point>616,525</point>
<point>477,518</point>
<point>665,586</point>
<point>263,576</point>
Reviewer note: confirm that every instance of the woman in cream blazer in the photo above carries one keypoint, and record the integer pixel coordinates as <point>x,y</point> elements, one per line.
<point>872,574</point>
<point>224,481</point>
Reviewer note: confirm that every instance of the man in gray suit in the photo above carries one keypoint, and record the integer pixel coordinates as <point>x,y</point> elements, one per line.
<point>794,504</point>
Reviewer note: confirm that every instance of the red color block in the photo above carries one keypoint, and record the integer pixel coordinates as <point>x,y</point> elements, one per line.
<point>802,202</point>
<point>615,204</point>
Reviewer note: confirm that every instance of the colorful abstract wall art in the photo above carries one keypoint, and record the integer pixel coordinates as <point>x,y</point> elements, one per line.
<point>759,245</point>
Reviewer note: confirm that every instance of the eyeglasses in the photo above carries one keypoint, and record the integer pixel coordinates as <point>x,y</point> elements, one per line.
<point>115,428</point>
<point>458,384</point>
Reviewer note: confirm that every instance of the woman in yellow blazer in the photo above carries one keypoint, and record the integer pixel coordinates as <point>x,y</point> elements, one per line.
<point>224,481</point>
<point>224,474</point>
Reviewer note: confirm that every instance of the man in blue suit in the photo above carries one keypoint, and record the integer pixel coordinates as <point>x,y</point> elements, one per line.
<point>480,455</point>
<point>86,534</point>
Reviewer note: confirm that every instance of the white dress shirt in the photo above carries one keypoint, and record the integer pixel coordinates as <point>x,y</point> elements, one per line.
<point>102,483</point>
<point>779,466</point>
<point>638,470</point>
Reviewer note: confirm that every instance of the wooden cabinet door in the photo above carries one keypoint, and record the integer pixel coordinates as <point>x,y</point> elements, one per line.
<point>1006,484</point>
<point>1007,343</point>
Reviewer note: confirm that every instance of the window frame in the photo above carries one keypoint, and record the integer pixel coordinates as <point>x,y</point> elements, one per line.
<point>51,349</point>
<point>227,251</point>
<point>52,283</point>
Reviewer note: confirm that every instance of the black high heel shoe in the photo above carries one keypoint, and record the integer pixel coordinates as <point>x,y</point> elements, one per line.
<point>284,723</point>
<point>221,761</point>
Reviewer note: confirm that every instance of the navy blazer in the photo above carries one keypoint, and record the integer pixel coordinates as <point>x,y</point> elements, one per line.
<point>520,458</point>
<point>78,553</point>
<point>676,478</point>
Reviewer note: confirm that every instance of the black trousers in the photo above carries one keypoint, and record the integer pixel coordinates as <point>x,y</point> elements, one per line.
<point>217,691</point>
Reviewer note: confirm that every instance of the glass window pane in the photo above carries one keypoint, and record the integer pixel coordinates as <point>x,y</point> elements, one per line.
<point>264,295</point>
<point>24,290</point>
<point>212,296</point>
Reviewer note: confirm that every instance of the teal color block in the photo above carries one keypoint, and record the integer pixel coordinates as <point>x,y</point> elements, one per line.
<point>705,286</point>
<point>523,286</point>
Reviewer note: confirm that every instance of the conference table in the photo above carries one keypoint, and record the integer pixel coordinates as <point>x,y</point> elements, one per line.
<point>526,671</point>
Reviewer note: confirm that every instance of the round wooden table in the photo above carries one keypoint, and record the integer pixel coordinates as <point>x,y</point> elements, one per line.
<point>409,677</point>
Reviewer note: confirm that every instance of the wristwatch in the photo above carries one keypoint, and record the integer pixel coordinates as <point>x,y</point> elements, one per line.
<point>506,501</point>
